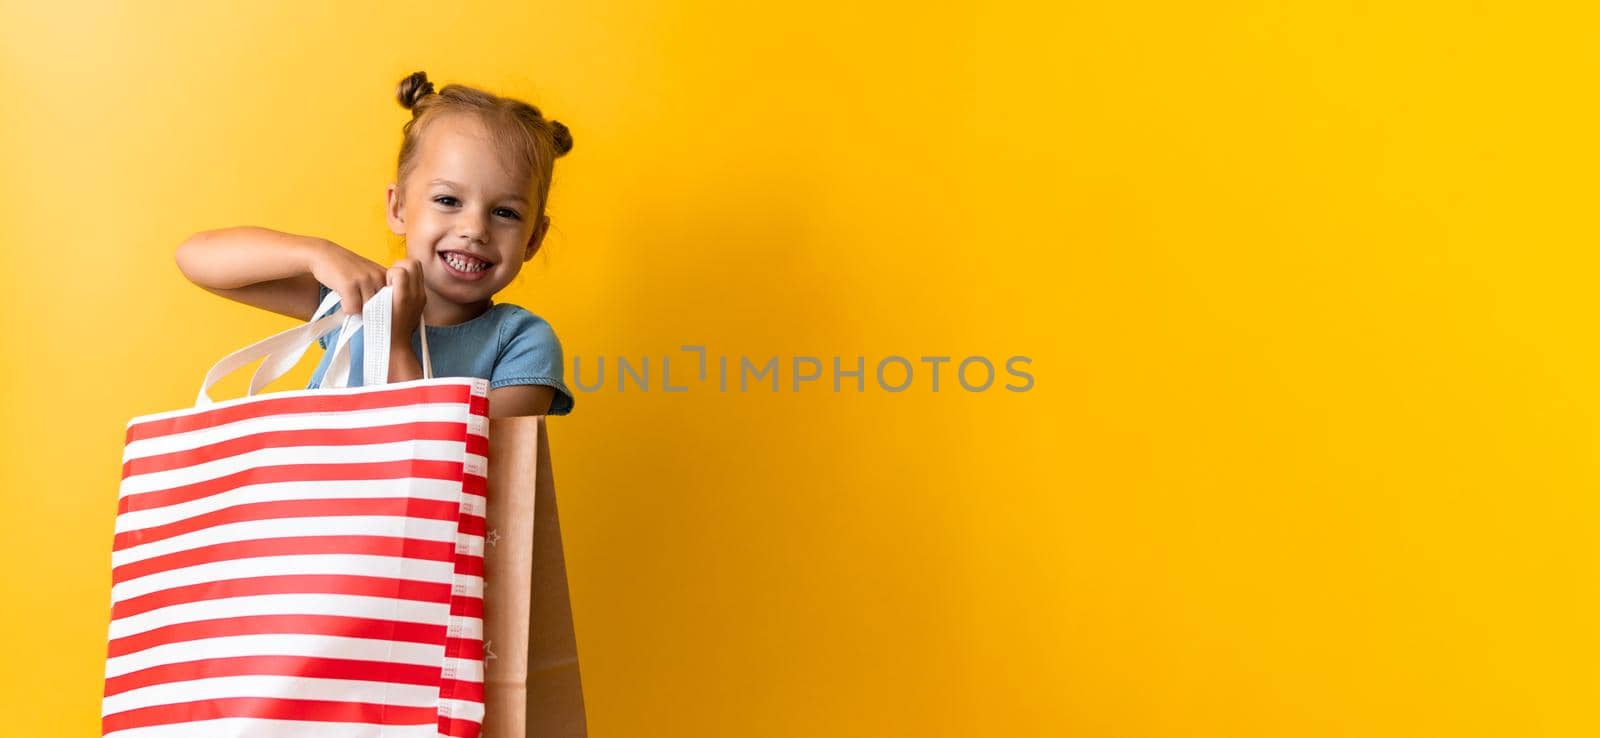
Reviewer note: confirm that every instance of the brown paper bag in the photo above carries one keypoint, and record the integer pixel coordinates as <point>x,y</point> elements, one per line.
<point>531,678</point>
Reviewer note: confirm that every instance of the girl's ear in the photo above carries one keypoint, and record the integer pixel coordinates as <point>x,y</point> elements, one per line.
<point>393,212</point>
<point>537,239</point>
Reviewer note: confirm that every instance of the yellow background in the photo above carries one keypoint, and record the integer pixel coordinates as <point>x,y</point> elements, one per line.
<point>1307,288</point>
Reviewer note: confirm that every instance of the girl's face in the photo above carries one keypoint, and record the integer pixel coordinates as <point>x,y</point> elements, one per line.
<point>466,219</point>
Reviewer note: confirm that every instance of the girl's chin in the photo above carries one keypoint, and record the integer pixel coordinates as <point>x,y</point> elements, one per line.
<point>462,294</point>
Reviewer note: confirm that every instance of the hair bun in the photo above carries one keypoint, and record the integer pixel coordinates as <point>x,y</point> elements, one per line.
<point>562,137</point>
<point>413,88</point>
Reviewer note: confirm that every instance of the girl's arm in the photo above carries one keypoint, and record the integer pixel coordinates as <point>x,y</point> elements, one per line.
<point>277,271</point>
<point>518,399</point>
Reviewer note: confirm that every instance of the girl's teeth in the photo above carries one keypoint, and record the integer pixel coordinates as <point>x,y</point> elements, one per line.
<point>461,264</point>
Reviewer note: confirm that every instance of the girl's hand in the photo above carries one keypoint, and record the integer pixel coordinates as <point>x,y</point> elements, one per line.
<point>405,281</point>
<point>353,277</point>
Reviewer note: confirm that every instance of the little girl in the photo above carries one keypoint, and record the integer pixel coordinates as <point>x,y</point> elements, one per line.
<point>469,198</point>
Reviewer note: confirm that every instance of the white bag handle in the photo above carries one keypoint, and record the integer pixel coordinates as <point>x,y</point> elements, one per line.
<point>284,350</point>
<point>278,364</point>
<point>375,315</point>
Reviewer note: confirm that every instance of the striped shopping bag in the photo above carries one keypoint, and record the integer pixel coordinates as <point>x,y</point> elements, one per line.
<point>305,563</point>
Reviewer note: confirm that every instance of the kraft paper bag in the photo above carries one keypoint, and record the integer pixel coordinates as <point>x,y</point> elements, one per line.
<point>531,681</point>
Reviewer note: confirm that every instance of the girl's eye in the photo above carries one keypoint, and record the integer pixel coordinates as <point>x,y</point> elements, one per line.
<point>449,201</point>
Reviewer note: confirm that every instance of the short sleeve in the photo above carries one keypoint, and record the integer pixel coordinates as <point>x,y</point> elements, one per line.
<point>530,353</point>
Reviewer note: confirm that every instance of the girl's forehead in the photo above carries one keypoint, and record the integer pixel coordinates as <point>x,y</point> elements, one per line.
<point>460,151</point>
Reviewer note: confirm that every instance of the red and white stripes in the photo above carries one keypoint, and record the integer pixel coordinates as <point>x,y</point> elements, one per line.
<point>302,563</point>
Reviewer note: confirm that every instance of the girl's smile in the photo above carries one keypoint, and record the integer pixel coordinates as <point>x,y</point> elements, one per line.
<point>465,265</point>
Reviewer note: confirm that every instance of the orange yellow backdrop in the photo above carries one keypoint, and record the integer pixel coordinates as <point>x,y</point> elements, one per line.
<point>1306,289</point>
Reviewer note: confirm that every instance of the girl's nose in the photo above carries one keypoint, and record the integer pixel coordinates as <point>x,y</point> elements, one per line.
<point>470,228</point>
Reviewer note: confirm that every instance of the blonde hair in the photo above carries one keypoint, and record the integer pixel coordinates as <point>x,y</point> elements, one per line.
<point>530,142</point>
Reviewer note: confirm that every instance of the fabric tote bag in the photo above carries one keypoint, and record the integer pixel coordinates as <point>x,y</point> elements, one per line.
<point>303,563</point>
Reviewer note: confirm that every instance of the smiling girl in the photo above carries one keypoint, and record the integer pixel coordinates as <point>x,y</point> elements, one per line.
<point>468,197</point>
